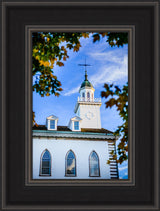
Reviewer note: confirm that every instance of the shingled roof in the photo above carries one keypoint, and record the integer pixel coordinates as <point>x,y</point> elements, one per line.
<point>65,128</point>
<point>93,130</point>
<point>43,127</point>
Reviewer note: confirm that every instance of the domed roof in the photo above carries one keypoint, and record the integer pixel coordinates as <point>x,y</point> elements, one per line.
<point>86,82</point>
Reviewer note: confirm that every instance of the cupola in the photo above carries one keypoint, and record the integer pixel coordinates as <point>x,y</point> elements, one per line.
<point>86,90</point>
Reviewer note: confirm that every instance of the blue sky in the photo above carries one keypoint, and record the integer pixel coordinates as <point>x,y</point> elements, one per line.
<point>109,65</point>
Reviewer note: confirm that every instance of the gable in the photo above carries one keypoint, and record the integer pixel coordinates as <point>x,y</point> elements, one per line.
<point>52,117</point>
<point>76,118</point>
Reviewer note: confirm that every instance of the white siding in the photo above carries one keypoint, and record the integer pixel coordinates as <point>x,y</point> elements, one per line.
<point>81,148</point>
<point>92,121</point>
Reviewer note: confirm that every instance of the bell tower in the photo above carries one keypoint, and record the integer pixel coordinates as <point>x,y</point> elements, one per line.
<point>87,106</point>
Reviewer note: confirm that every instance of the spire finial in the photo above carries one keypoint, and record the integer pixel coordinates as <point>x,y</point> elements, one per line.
<point>86,79</point>
<point>85,65</point>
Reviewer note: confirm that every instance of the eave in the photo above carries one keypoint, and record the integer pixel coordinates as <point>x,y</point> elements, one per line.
<point>72,134</point>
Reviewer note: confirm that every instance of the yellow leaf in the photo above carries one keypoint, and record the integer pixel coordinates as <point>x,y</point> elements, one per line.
<point>37,57</point>
<point>60,89</point>
<point>35,50</point>
<point>85,35</point>
<point>51,66</point>
<point>46,64</point>
<point>64,58</point>
<point>60,64</point>
<point>41,62</point>
<point>55,77</point>
<point>56,94</point>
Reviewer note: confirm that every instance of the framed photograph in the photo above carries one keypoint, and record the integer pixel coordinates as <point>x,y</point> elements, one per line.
<point>80,105</point>
<point>76,145</point>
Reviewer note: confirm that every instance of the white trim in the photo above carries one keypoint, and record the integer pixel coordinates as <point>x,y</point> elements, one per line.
<point>40,169</point>
<point>48,124</point>
<point>72,135</point>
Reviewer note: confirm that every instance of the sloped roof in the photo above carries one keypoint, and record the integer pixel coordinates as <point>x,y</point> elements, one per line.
<point>65,128</point>
<point>86,83</point>
<point>94,130</point>
<point>43,127</point>
<point>39,127</point>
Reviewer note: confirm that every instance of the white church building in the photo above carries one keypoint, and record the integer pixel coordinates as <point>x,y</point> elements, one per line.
<point>77,151</point>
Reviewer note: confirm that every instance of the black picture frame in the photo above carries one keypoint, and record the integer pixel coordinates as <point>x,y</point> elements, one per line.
<point>16,192</point>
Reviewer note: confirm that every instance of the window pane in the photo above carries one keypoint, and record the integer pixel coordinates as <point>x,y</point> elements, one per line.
<point>46,155</point>
<point>76,125</point>
<point>52,124</point>
<point>46,171</point>
<point>71,164</point>
<point>94,164</point>
<point>46,163</point>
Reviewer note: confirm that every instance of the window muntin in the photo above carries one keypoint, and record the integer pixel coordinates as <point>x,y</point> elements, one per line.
<point>52,124</point>
<point>76,125</point>
<point>94,165</point>
<point>45,163</point>
<point>70,164</point>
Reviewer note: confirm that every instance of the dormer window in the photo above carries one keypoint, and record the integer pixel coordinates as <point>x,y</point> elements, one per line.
<point>76,125</point>
<point>52,122</point>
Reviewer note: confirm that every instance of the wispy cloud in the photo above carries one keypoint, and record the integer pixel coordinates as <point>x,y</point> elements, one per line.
<point>112,67</point>
<point>72,91</point>
<point>114,56</point>
<point>123,168</point>
<point>110,74</point>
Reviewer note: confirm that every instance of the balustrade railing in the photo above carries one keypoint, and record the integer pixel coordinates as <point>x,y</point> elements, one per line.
<point>83,99</point>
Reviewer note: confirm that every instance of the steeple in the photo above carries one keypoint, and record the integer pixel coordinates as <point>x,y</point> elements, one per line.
<point>88,107</point>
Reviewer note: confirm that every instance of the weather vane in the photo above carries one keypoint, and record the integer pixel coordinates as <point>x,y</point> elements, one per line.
<point>85,65</point>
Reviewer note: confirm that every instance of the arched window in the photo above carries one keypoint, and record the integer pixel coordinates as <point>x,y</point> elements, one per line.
<point>83,96</point>
<point>70,164</point>
<point>88,96</point>
<point>45,163</point>
<point>94,165</point>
